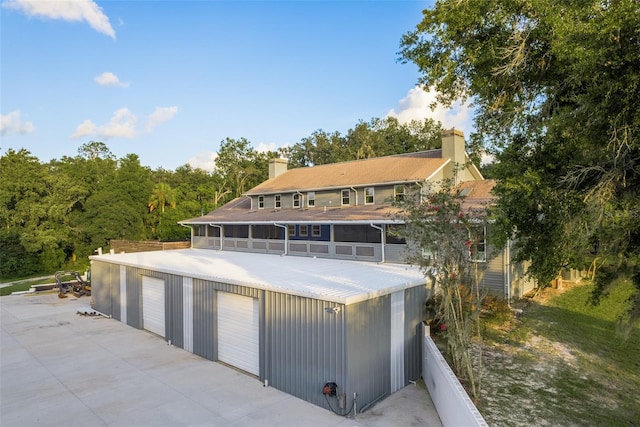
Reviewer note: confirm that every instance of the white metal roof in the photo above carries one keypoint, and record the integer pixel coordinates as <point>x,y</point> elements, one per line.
<point>339,281</point>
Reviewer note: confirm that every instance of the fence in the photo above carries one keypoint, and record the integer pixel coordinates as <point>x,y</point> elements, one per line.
<point>452,402</point>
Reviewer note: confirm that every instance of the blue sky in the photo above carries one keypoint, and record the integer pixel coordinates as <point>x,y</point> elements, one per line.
<point>169,80</point>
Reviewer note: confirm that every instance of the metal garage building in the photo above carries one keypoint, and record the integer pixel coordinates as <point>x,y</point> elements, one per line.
<point>295,323</point>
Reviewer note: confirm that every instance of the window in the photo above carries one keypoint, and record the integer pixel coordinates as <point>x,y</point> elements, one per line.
<point>296,200</point>
<point>346,195</point>
<point>200,230</point>
<point>277,203</point>
<point>267,232</point>
<point>311,198</point>
<point>368,195</point>
<point>315,230</point>
<point>236,231</point>
<point>260,202</point>
<point>304,230</point>
<point>291,230</point>
<point>213,231</point>
<point>398,193</point>
<point>477,244</point>
<point>356,233</point>
<point>394,235</point>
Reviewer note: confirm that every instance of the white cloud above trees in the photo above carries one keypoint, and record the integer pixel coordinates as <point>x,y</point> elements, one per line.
<point>13,123</point>
<point>417,106</point>
<point>159,116</point>
<point>109,79</point>
<point>123,124</point>
<point>75,11</point>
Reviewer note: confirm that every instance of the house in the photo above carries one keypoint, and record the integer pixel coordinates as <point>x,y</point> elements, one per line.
<point>301,282</point>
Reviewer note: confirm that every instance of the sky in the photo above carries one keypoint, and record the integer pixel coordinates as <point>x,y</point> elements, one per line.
<point>170,80</point>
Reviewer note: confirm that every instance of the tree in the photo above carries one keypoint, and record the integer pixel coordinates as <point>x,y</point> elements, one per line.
<point>556,88</point>
<point>444,239</point>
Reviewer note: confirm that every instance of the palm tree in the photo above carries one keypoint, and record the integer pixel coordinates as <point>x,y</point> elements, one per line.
<point>162,195</point>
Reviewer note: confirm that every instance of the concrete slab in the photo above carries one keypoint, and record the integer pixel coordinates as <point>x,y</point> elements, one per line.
<point>60,368</point>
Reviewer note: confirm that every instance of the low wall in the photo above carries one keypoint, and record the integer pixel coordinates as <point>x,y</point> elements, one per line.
<point>129,246</point>
<point>452,402</point>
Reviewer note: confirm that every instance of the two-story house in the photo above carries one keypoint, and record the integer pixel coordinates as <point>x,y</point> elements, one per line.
<point>302,281</point>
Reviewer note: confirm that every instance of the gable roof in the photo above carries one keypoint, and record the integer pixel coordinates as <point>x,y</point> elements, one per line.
<point>396,169</point>
<point>477,197</point>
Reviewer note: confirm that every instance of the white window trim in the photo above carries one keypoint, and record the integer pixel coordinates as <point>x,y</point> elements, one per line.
<point>260,202</point>
<point>342,192</point>
<point>277,201</point>
<point>304,233</point>
<point>484,242</point>
<point>313,231</point>
<point>373,195</point>
<point>311,199</point>
<point>296,200</point>
<point>291,230</point>
<point>396,193</point>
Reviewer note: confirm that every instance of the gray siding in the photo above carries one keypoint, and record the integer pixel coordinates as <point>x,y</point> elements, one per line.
<point>494,275</point>
<point>414,315</point>
<point>204,320</point>
<point>134,299</point>
<point>101,286</point>
<point>369,351</point>
<point>303,345</point>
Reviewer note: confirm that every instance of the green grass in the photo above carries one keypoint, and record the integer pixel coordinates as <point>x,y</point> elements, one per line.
<point>562,362</point>
<point>24,285</point>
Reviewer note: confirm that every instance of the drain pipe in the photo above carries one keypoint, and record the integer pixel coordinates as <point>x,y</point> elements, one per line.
<point>219,227</point>
<point>184,225</point>
<point>355,191</point>
<point>508,272</point>
<point>286,238</point>
<point>382,238</point>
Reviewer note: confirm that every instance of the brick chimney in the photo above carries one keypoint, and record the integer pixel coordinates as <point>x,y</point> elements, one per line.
<point>453,147</point>
<point>277,167</point>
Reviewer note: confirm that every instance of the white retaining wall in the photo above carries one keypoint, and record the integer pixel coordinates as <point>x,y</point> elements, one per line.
<point>452,402</point>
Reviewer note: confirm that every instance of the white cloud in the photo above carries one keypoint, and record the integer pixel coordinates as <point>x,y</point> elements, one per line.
<point>159,116</point>
<point>417,106</point>
<point>75,10</point>
<point>12,123</point>
<point>272,146</point>
<point>122,125</point>
<point>205,160</point>
<point>109,79</point>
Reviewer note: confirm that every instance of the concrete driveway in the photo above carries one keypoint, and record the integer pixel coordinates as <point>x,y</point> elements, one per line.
<point>59,368</point>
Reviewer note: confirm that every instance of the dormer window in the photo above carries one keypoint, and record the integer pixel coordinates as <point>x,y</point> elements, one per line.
<point>398,193</point>
<point>277,202</point>
<point>260,202</point>
<point>346,197</point>
<point>296,200</point>
<point>368,195</point>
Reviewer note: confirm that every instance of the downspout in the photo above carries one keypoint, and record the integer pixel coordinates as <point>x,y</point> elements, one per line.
<point>221,235</point>
<point>286,238</point>
<point>355,191</point>
<point>382,238</point>
<point>184,225</point>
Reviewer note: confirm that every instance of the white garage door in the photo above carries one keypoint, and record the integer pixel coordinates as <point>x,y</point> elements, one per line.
<point>153,305</point>
<point>238,328</point>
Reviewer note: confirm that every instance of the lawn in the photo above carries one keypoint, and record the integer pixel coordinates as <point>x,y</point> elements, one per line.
<point>24,285</point>
<point>561,362</point>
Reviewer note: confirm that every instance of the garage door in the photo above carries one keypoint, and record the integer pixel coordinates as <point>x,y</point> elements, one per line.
<point>153,305</point>
<point>238,327</point>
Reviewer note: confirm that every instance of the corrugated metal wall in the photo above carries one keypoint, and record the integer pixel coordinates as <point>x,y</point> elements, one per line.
<point>414,314</point>
<point>101,286</point>
<point>303,345</point>
<point>369,355</point>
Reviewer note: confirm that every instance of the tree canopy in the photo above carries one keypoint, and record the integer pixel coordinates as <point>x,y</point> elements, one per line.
<point>556,88</point>
<point>57,213</point>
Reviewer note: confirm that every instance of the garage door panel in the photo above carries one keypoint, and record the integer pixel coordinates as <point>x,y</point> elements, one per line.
<point>238,332</point>
<point>153,310</point>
